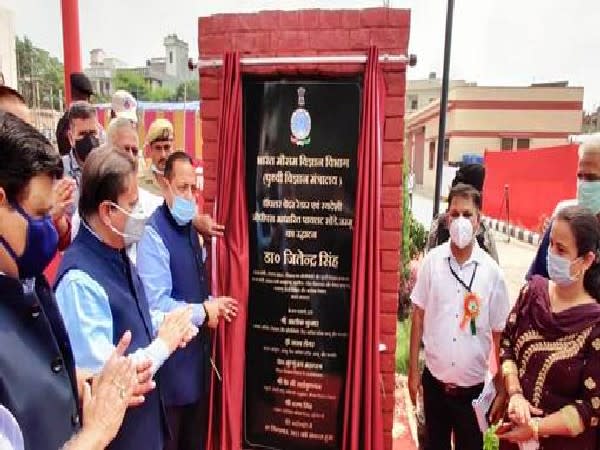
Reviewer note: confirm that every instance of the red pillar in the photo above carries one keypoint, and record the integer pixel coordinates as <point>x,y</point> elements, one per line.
<point>71,45</point>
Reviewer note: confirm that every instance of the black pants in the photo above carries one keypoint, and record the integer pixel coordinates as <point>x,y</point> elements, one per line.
<point>187,425</point>
<point>447,412</point>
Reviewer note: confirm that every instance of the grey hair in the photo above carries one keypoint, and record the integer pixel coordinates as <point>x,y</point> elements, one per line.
<point>117,124</point>
<point>590,145</point>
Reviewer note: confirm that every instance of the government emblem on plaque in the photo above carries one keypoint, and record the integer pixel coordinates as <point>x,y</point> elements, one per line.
<point>300,122</point>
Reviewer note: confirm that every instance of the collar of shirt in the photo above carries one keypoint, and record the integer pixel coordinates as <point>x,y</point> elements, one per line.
<point>475,257</point>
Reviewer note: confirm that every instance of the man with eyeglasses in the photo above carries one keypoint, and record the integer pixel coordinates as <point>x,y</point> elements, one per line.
<point>460,306</point>
<point>122,135</point>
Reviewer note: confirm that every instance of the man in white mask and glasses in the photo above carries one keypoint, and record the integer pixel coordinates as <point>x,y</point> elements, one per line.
<point>588,196</point>
<point>460,305</point>
<point>100,295</point>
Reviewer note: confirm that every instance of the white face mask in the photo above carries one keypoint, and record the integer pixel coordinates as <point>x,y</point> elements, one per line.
<point>461,232</point>
<point>134,226</point>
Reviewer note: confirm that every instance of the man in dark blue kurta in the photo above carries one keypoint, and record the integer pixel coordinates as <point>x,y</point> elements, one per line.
<point>171,265</point>
<point>100,295</point>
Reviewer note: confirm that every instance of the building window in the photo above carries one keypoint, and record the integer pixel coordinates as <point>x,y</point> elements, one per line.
<point>107,87</point>
<point>431,154</point>
<point>414,103</point>
<point>522,143</point>
<point>446,150</point>
<point>170,57</point>
<point>507,144</point>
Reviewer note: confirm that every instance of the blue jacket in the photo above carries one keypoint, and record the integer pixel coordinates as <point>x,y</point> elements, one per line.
<point>143,426</point>
<point>184,377</point>
<point>539,266</point>
<point>37,370</point>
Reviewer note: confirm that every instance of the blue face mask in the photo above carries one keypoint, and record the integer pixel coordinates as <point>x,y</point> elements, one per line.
<point>559,269</point>
<point>40,246</point>
<point>183,210</point>
<point>588,195</point>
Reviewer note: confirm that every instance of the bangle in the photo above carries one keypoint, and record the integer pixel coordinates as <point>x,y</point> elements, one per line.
<point>509,368</point>
<point>535,428</point>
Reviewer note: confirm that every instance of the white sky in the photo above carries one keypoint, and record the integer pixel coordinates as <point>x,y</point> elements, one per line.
<point>495,42</point>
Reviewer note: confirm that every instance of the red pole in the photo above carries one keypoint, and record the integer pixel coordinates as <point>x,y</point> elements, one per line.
<point>71,45</point>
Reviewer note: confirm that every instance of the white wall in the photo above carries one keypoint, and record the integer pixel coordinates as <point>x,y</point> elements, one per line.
<point>8,53</point>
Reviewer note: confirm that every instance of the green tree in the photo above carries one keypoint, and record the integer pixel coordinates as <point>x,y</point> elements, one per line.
<point>161,94</point>
<point>37,71</point>
<point>132,82</point>
<point>193,91</point>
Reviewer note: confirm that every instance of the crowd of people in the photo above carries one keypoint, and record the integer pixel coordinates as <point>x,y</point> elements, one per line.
<point>115,352</point>
<point>546,347</point>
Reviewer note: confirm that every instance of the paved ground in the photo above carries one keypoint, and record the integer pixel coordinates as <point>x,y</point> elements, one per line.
<point>515,257</point>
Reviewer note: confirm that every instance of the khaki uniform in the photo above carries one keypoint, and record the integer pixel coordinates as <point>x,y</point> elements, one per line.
<point>147,180</point>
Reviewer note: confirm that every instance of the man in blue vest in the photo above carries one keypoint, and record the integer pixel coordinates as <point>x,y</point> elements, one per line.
<point>100,295</point>
<point>171,265</point>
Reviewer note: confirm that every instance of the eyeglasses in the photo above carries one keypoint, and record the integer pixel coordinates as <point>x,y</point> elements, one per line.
<point>166,147</point>
<point>131,149</point>
<point>456,214</point>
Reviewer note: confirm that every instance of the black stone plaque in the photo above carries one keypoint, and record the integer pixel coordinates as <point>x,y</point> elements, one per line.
<point>301,139</point>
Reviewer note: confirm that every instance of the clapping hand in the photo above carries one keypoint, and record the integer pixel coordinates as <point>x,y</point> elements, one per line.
<point>177,328</point>
<point>105,403</point>
<point>63,194</point>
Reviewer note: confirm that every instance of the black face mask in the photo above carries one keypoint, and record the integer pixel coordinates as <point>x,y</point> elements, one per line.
<point>85,145</point>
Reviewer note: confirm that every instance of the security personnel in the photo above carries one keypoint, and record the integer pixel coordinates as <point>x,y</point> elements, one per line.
<point>159,145</point>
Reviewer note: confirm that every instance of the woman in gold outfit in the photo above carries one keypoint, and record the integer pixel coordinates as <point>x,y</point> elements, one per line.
<point>551,345</point>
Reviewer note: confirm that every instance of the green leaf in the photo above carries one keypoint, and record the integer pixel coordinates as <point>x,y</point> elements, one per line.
<point>490,440</point>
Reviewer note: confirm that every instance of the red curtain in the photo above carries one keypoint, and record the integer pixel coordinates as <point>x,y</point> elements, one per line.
<point>363,422</point>
<point>363,427</point>
<point>232,266</point>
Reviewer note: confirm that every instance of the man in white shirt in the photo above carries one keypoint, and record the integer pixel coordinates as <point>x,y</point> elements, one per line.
<point>460,305</point>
